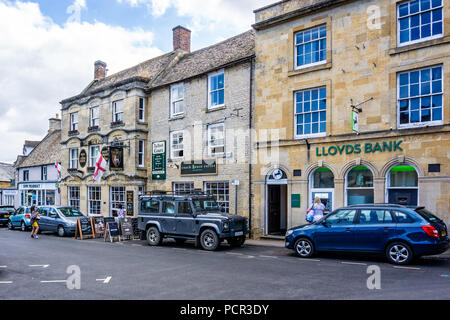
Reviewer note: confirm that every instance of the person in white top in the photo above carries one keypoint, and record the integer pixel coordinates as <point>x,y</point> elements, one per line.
<point>318,207</point>
<point>120,212</point>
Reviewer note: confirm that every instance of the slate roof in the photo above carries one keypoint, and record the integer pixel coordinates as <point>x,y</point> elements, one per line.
<point>46,152</point>
<point>6,172</point>
<point>145,71</point>
<point>209,59</point>
<point>32,144</point>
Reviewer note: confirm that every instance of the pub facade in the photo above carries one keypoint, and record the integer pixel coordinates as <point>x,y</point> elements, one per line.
<point>352,97</point>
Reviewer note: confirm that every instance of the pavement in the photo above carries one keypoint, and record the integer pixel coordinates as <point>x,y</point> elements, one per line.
<point>52,268</point>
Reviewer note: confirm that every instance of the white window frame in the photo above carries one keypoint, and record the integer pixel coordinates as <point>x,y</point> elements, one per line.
<point>118,104</point>
<point>141,109</point>
<point>172,148</point>
<point>310,135</point>
<point>210,76</point>
<point>117,196</point>
<point>73,193</point>
<point>73,159</point>
<point>399,44</point>
<point>74,121</point>
<point>210,147</point>
<point>94,190</point>
<point>421,124</point>
<point>44,173</point>
<point>26,177</point>
<point>226,193</point>
<point>347,188</point>
<point>141,153</point>
<point>312,64</point>
<point>173,100</point>
<point>94,116</point>
<point>187,186</point>
<point>93,155</point>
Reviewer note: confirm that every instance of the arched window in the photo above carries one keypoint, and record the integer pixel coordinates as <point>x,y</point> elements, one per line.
<point>359,186</point>
<point>402,186</point>
<point>322,185</point>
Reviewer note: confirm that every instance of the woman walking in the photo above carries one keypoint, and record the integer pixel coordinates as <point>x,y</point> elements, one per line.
<point>318,209</point>
<point>35,216</point>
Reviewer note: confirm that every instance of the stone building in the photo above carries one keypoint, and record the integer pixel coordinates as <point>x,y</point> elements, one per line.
<point>37,178</point>
<point>352,97</point>
<point>201,115</point>
<point>7,189</point>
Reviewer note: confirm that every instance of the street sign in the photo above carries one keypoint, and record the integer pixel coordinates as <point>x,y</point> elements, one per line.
<point>235,182</point>
<point>159,160</point>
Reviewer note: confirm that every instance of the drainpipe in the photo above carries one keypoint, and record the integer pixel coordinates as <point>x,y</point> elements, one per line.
<point>250,202</point>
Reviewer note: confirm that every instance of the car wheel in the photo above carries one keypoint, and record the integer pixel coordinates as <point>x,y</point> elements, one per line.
<point>237,242</point>
<point>154,237</point>
<point>209,240</point>
<point>61,231</point>
<point>10,225</point>
<point>304,248</point>
<point>180,241</point>
<point>399,253</point>
<point>23,227</point>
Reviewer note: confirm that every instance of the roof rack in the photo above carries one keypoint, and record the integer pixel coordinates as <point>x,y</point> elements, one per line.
<point>378,205</point>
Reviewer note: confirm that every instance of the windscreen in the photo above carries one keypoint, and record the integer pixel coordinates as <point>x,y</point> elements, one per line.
<point>70,212</point>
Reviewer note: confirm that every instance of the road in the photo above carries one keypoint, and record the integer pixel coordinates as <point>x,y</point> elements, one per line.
<point>133,270</point>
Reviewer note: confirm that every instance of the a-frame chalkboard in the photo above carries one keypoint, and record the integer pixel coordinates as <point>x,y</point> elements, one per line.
<point>83,229</point>
<point>112,231</point>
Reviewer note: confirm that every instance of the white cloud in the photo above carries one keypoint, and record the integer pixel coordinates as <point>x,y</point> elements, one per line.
<point>42,63</point>
<point>207,15</point>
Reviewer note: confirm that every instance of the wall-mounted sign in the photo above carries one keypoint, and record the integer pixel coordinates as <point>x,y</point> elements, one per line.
<point>203,167</point>
<point>130,203</point>
<point>82,158</point>
<point>355,121</point>
<point>159,160</point>
<point>105,153</point>
<point>358,148</point>
<point>295,200</point>
<point>116,158</point>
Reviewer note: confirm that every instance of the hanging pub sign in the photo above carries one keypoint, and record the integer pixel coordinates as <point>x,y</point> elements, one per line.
<point>105,153</point>
<point>159,160</point>
<point>116,158</point>
<point>355,121</point>
<point>82,158</point>
<point>130,203</point>
<point>199,167</point>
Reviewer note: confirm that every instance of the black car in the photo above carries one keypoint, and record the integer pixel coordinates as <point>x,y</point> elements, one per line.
<point>5,213</point>
<point>194,216</point>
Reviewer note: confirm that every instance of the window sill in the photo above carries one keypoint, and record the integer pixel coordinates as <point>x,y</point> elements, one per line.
<point>419,45</point>
<point>318,67</point>
<point>93,129</point>
<point>217,108</point>
<point>310,136</point>
<point>142,122</point>
<point>73,133</point>
<point>117,124</point>
<point>418,126</point>
<point>177,117</point>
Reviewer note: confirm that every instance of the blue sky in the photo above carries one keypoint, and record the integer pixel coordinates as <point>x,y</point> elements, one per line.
<point>48,48</point>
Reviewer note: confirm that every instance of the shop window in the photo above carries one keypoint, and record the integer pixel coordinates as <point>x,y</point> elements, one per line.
<point>117,199</point>
<point>323,178</point>
<point>94,200</point>
<point>221,192</point>
<point>183,187</point>
<point>74,197</point>
<point>402,185</point>
<point>360,186</point>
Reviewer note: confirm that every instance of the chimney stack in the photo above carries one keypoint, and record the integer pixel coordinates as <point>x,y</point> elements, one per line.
<point>54,124</point>
<point>181,39</point>
<point>99,70</point>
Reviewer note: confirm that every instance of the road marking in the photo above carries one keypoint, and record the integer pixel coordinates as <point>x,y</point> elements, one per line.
<point>54,281</point>
<point>3,266</point>
<point>235,253</point>
<point>408,268</point>
<point>263,256</point>
<point>6,282</point>
<point>355,263</point>
<point>39,265</point>
<point>106,280</point>
<point>136,245</point>
<point>303,259</point>
<point>445,275</point>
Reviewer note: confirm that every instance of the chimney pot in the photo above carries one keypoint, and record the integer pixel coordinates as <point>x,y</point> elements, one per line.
<point>181,39</point>
<point>99,69</point>
<point>54,124</point>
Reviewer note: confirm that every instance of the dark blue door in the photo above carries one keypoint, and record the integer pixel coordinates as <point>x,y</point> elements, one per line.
<point>337,231</point>
<point>373,229</point>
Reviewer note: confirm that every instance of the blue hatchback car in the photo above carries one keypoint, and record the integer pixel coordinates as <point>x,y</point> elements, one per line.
<point>396,231</point>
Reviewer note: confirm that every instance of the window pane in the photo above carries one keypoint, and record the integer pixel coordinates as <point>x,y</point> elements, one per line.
<point>359,177</point>
<point>371,216</point>
<point>323,178</point>
<point>343,217</point>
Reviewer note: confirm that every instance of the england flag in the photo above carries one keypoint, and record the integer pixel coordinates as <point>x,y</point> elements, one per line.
<point>100,167</point>
<point>59,168</point>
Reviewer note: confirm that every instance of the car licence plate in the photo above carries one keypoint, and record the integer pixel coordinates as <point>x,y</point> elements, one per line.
<point>240,233</point>
<point>443,233</point>
<point>6,215</point>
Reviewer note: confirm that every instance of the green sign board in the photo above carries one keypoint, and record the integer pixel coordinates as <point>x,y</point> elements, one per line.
<point>200,167</point>
<point>358,148</point>
<point>159,160</point>
<point>295,201</point>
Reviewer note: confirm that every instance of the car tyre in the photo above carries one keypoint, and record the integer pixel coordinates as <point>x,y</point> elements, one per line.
<point>154,237</point>
<point>61,231</point>
<point>237,242</point>
<point>10,225</point>
<point>209,240</point>
<point>399,253</point>
<point>304,248</point>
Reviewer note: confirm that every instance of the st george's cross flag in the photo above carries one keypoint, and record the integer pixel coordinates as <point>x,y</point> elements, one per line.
<point>100,167</point>
<point>59,168</point>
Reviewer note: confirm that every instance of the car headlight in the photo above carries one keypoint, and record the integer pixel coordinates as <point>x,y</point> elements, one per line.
<point>288,233</point>
<point>226,226</point>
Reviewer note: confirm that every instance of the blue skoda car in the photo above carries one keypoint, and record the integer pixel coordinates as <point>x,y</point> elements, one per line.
<point>396,231</point>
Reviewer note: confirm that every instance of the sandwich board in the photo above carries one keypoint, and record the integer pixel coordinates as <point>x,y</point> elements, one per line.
<point>112,231</point>
<point>83,229</point>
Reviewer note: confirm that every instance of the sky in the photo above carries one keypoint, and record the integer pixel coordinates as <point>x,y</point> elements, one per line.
<point>48,49</point>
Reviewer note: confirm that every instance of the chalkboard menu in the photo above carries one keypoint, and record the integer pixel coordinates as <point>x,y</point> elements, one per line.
<point>98,224</point>
<point>112,231</point>
<point>126,227</point>
<point>136,230</point>
<point>83,229</point>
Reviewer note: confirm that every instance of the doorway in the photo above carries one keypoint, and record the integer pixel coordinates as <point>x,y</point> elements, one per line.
<point>277,209</point>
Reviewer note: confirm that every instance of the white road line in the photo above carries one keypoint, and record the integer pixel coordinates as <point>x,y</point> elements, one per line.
<point>235,253</point>
<point>6,282</point>
<point>54,281</point>
<point>408,268</point>
<point>3,266</point>
<point>355,263</point>
<point>39,265</point>
<point>263,256</point>
<point>106,280</point>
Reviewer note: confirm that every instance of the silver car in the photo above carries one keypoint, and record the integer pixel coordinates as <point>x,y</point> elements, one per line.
<point>59,219</point>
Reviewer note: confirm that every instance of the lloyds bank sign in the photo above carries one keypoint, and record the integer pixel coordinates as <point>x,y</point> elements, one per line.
<point>358,148</point>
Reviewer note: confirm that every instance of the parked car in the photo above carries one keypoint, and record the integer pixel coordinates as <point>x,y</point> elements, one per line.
<point>190,216</point>
<point>5,213</point>
<point>398,232</point>
<point>59,219</point>
<point>20,218</point>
